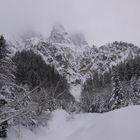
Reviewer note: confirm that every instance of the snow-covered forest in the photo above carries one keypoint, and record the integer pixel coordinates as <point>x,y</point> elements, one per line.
<point>41,76</point>
<point>69,70</point>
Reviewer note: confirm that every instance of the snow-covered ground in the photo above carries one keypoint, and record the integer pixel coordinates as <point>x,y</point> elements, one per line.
<point>122,124</point>
<point>76,91</point>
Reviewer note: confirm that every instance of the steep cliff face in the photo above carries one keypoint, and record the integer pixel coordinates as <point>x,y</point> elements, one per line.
<point>71,54</point>
<point>102,58</point>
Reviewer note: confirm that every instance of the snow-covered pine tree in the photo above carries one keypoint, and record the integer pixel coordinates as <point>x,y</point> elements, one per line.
<point>135,93</point>
<point>6,78</point>
<point>6,65</point>
<point>87,96</point>
<point>117,99</point>
<point>8,89</point>
<point>3,125</point>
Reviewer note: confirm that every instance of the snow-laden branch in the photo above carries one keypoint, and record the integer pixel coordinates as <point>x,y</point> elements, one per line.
<point>32,91</point>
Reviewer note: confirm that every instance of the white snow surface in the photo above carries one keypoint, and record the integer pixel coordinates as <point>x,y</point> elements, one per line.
<point>121,124</point>
<point>76,91</point>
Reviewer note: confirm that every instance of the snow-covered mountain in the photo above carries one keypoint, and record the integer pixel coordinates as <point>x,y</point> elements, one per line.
<point>72,56</point>
<point>59,35</point>
<point>75,41</point>
<point>105,56</point>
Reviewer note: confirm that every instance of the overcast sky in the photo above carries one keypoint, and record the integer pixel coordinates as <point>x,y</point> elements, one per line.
<point>102,21</point>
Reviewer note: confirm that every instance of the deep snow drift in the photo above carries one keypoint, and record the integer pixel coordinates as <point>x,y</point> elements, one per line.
<point>122,124</point>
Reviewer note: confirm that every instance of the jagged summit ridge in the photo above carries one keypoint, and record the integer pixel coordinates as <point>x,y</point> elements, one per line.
<point>59,35</point>
<point>72,56</point>
<point>76,41</point>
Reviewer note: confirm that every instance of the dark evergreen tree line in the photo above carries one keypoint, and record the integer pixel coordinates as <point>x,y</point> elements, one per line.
<point>122,83</point>
<point>28,88</point>
<point>32,71</point>
<point>7,69</point>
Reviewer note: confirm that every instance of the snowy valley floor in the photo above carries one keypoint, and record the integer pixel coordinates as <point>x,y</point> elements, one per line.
<point>122,124</point>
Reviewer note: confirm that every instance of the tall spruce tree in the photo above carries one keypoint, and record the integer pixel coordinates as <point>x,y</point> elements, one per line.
<point>117,99</point>
<point>3,80</point>
<point>6,65</point>
<point>7,68</point>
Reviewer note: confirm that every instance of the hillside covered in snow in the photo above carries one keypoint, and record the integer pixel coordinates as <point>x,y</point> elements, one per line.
<point>122,124</point>
<point>71,54</point>
<point>69,70</point>
<point>49,85</point>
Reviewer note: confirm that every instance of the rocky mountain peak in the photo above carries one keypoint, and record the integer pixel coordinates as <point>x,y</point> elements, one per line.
<point>78,39</point>
<point>75,41</point>
<point>59,28</point>
<point>72,56</point>
<point>59,34</point>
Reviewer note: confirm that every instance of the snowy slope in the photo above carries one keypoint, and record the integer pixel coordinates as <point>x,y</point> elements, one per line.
<point>122,124</point>
<point>76,91</point>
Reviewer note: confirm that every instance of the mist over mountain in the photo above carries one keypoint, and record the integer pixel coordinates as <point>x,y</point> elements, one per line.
<point>63,71</point>
<point>69,69</point>
<point>71,54</point>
